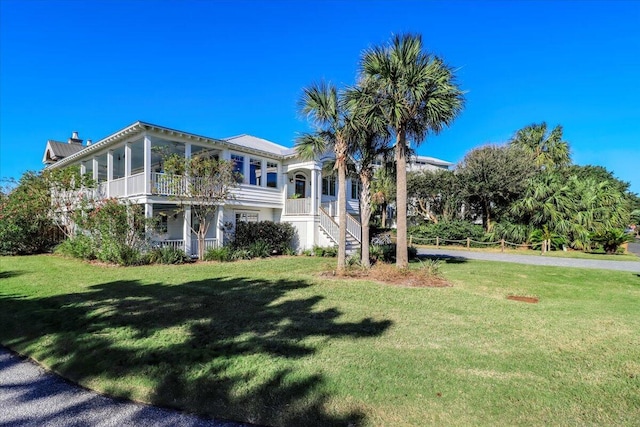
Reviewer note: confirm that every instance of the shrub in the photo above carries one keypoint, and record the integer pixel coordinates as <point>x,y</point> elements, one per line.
<point>80,246</point>
<point>448,230</point>
<point>239,254</point>
<point>259,249</point>
<point>276,236</point>
<point>222,254</point>
<point>325,251</point>
<point>168,255</point>
<point>388,252</point>
<point>612,239</point>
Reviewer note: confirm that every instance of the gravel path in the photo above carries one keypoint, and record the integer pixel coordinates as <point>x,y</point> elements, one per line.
<point>632,266</point>
<point>30,396</point>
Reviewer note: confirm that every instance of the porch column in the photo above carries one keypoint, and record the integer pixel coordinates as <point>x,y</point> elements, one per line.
<point>314,191</point>
<point>94,160</point>
<point>147,164</point>
<point>187,150</point>
<point>83,169</point>
<point>109,171</point>
<point>219,223</point>
<point>186,230</point>
<point>127,167</point>
<point>246,168</point>
<point>148,214</point>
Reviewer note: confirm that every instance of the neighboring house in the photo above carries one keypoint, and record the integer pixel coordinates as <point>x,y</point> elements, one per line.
<point>277,184</point>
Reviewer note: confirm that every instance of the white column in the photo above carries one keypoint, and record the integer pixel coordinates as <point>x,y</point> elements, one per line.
<point>147,164</point>
<point>219,223</point>
<point>83,169</point>
<point>226,155</point>
<point>187,150</point>
<point>127,167</point>
<point>263,173</point>
<point>148,213</point>
<point>95,169</point>
<point>109,171</point>
<point>186,230</point>
<point>246,169</point>
<point>314,191</point>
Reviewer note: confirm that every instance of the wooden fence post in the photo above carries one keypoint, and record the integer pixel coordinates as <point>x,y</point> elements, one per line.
<point>502,245</point>
<point>437,241</point>
<point>468,242</point>
<point>410,240</point>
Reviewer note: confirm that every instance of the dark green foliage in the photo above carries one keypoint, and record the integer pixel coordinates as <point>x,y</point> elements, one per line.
<point>168,255</point>
<point>612,239</point>
<point>277,237</point>
<point>388,252</point>
<point>259,249</point>
<point>25,224</point>
<point>324,251</point>
<point>222,254</point>
<point>450,230</point>
<point>80,246</point>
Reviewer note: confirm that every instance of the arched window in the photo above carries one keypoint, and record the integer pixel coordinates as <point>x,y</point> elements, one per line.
<point>301,185</point>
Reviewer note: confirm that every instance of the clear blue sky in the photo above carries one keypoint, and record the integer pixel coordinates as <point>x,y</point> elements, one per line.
<point>222,68</point>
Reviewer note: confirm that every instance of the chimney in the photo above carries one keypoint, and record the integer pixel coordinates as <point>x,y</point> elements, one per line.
<point>89,142</point>
<point>74,138</point>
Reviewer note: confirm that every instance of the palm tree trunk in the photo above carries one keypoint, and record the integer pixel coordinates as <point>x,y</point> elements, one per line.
<point>342,214</point>
<point>384,215</point>
<point>402,255</point>
<point>365,216</point>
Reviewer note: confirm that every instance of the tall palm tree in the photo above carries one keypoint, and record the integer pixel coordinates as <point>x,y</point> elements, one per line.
<point>548,150</point>
<point>322,105</point>
<point>417,93</point>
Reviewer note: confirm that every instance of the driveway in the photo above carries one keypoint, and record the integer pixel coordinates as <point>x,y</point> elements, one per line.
<point>31,396</point>
<point>632,266</point>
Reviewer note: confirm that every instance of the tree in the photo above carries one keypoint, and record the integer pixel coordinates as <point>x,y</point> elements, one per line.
<point>324,108</point>
<point>572,208</point>
<point>492,177</point>
<point>26,226</point>
<point>369,142</point>
<point>548,150</point>
<point>435,195</point>
<point>383,191</point>
<point>204,184</point>
<point>417,93</point>
<point>71,194</point>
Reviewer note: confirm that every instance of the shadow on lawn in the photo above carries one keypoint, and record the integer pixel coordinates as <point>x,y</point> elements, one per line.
<point>449,259</point>
<point>227,359</point>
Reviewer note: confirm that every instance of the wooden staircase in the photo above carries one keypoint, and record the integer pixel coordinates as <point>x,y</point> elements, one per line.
<point>329,226</point>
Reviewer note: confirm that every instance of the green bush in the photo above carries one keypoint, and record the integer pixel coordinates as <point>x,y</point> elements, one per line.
<point>447,230</point>
<point>239,254</point>
<point>80,246</point>
<point>259,249</point>
<point>276,236</point>
<point>168,255</point>
<point>389,252</point>
<point>222,254</point>
<point>325,251</point>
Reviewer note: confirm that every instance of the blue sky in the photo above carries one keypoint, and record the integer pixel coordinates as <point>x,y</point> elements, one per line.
<point>222,68</point>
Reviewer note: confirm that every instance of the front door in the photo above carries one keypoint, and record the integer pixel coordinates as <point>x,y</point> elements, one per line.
<point>301,185</point>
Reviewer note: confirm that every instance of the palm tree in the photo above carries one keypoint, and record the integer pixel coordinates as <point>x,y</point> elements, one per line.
<point>548,150</point>
<point>417,94</point>
<point>368,141</point>
<point>322,105</point>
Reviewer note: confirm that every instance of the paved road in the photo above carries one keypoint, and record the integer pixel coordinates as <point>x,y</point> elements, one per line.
<point>633,266</point>
<point>30,396</point>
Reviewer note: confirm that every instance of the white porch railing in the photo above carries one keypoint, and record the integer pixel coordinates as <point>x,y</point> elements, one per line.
<point>297,206</point>
<point>329,225</point>
<point>135,184</point>
<point>175,244</point>
<point>354,227</point>
<point>208,244</point>
<point>168,185</point>
<point>116,187</point>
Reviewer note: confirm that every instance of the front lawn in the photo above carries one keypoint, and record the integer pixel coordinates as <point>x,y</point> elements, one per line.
<point>273,342</point>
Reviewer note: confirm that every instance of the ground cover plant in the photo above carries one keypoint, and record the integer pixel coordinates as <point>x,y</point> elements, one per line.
<point>271,341</point>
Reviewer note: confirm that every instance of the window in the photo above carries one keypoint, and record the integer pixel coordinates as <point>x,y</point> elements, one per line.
<point>246,217</point>
<point>329,186</point>
<point>238,164</point>
<point>355,189</point>
<point>301,185</point>
<point>255,171</point>
<point>162,222</point>
<point>272,175</point>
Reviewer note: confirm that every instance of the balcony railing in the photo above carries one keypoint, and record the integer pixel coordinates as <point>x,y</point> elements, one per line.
<point>297,206</point>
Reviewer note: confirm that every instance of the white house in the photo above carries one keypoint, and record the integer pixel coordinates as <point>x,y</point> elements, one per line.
<point>277,184</point>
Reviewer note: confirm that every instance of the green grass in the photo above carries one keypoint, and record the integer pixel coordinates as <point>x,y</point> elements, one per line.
<point>555,254</point>
<point>271,342</point>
